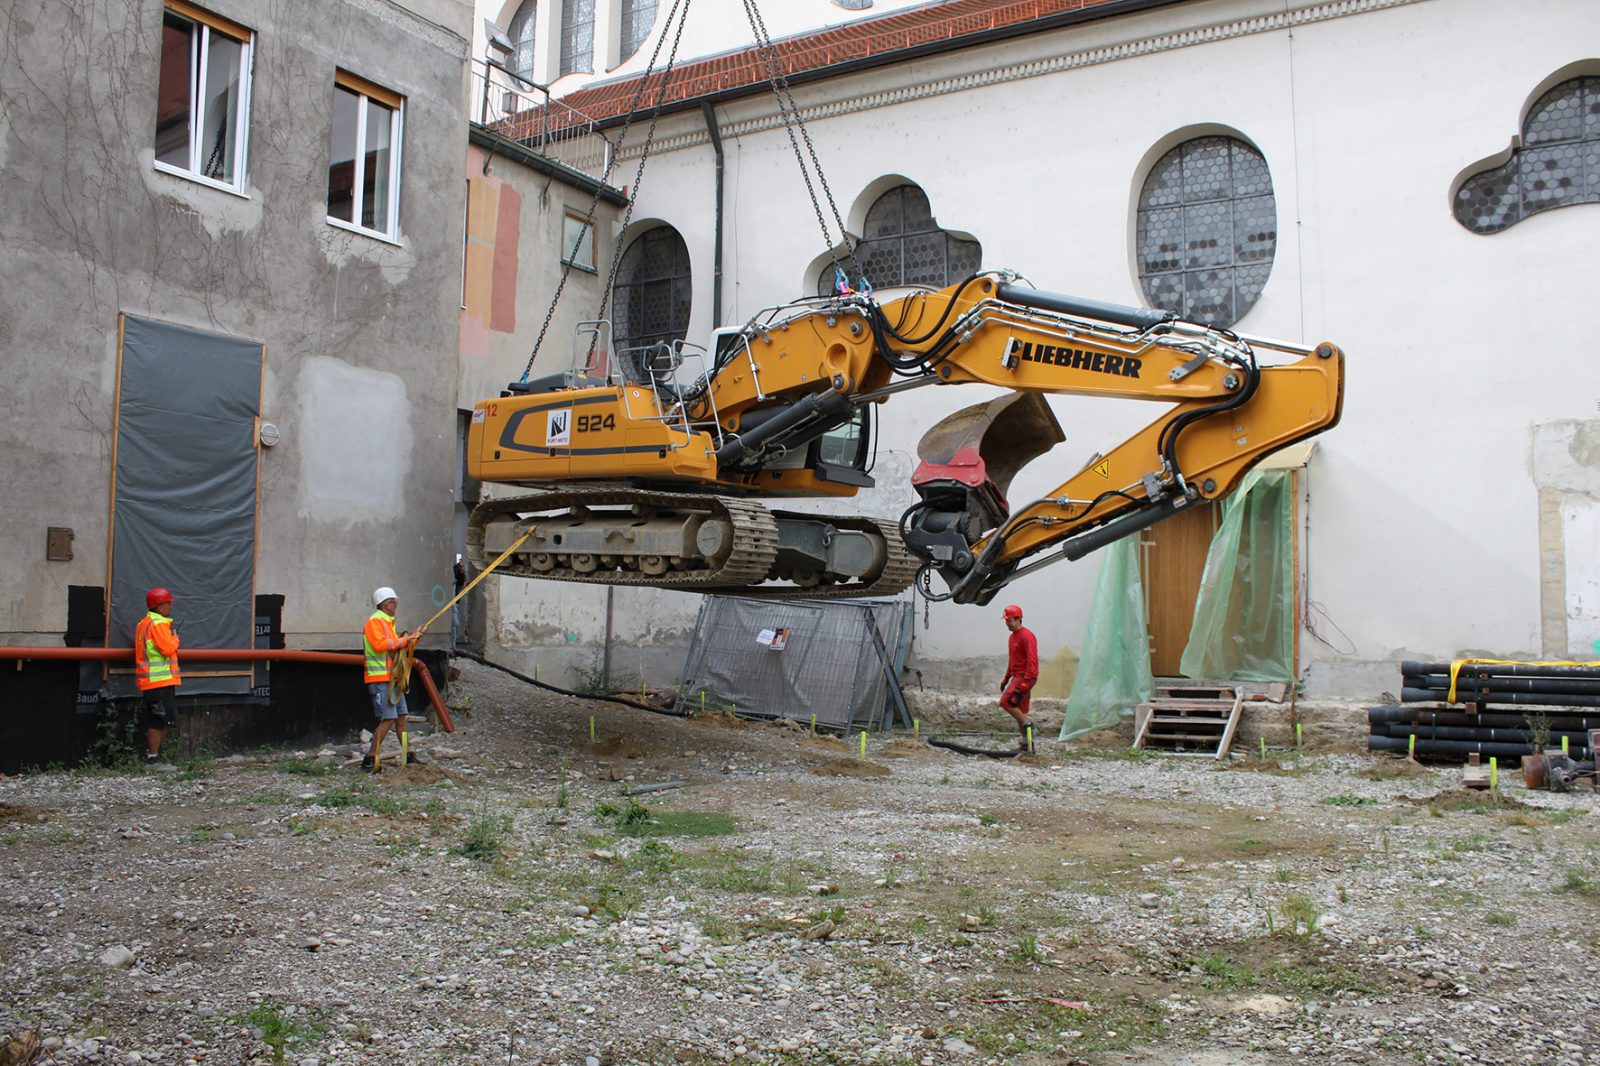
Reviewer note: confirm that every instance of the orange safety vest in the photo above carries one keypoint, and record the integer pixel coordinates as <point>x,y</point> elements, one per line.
<point>155,653</point>
<point>380,642</point>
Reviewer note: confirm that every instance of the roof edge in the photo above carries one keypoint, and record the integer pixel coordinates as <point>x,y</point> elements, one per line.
<point>1096,13</point>
<point>518,152</point>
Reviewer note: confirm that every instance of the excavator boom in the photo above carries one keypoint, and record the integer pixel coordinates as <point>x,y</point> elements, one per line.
<point>650,465</point>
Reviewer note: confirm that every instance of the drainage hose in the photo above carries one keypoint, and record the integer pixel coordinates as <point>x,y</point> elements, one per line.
<point>567,692</point>
<point>963,749</point>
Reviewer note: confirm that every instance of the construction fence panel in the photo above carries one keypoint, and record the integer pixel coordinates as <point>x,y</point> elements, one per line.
<point>789,659</point>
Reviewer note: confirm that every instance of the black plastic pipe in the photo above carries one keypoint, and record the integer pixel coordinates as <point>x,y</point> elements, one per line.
<point>1449,747</point>
<point>1463,732</point>
<point>1513,699</point>
<point>1413,714</point>
<point>1411,666</point>
<point>1441,683</point>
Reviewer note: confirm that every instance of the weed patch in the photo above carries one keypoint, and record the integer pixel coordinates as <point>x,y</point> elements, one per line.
<point>278,1031</point>
<point>1348,800</point>
<point>485,838</point>
<point>349,796</point>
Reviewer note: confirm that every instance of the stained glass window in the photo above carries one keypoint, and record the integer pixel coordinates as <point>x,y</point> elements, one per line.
<point>902,244</point>
<point>1207,230</point>
<point>1558,163</point>
<point>653,290</point>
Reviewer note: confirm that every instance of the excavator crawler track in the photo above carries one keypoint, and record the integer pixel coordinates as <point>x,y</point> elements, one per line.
<point>899,570</point>
<point>743,573</point>
<point>755,538</point>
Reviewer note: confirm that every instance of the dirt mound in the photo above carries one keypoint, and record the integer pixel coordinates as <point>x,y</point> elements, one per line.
<point>13,813</point>
<point>849,768</point>
<point>1466,799</point>
<point>418,773</point>
<point>901,748</point>
<point>722,719</point>
<point>1389,768</point>
<point>624,747</point>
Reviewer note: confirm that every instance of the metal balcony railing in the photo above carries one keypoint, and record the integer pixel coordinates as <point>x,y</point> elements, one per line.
<point>525,112</point>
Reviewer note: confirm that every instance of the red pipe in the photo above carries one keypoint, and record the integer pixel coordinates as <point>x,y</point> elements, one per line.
<point>445,721</point>
<point>228,655</point>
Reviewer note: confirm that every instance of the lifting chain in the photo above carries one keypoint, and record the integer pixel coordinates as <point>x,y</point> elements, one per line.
<point>790,112</point>
<point>611,161</point>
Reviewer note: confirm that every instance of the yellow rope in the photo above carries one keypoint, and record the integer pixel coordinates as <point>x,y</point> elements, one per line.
<point>400,676</point>
<point>1457,664</point>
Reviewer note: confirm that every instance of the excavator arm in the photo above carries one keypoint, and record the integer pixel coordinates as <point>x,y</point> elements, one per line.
<point>651,464</point>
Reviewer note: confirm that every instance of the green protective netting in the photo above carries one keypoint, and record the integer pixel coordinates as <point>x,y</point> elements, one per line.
<point>1244,615</point>
<point>1114,671</point>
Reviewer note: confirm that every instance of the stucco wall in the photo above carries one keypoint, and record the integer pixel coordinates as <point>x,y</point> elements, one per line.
<point>360,334</point>
<point>1424,513</point>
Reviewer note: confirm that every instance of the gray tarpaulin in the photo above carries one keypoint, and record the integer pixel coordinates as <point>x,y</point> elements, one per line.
<point>828,663</point>
<point>185,492</point>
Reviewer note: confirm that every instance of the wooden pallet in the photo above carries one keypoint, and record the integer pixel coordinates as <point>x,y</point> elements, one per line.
<point>1189,720</point>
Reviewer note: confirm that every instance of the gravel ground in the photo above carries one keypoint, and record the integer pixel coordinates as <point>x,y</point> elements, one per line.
<point>507,902</point>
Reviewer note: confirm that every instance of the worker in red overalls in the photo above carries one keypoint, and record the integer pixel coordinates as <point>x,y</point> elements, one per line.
<point>1022,673</point>
<point>155,669</point>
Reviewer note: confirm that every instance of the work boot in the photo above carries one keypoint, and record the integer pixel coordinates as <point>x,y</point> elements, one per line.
<point>1022,741</point>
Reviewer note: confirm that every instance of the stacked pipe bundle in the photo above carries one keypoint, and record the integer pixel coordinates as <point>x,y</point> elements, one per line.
<point>1564,699</point>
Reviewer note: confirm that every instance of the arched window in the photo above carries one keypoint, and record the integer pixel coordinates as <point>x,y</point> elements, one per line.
<point>1207,230</point>
<point>652,297</point>
<point>521,34</point>
<point>1558,163</point>
<point>577,36</point>
<point>903,245</point>
<point>638,16</point>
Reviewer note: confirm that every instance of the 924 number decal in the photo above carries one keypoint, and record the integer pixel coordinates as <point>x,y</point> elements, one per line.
<point>595,423</point>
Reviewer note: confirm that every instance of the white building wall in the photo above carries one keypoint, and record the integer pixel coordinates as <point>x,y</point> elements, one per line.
<point>1424,518</point>
<point>712,27</point>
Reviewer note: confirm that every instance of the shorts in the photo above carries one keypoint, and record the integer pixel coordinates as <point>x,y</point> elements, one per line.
<point>382,709</point>
<point>161,707</point>
<point>1017,697</point>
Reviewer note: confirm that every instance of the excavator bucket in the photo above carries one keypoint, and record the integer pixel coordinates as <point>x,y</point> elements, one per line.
<point>981,448</point>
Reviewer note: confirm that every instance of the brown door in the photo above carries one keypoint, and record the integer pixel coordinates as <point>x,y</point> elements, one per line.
<point>1173,557</point>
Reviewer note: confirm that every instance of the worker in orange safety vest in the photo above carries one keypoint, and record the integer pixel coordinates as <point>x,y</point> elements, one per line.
<point>382,645</point>
<point>155,669</point>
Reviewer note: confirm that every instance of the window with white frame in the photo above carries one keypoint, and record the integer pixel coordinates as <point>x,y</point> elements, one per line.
<point>364,157</point>
<point>577,242</point>
<point>577,36</point>
<point>638,16</point>
<point>203,96</point>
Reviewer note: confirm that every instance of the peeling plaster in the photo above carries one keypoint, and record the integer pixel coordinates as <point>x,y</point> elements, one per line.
<point>219,212</point>
<point>341,247</point>
<point>1566,456</point>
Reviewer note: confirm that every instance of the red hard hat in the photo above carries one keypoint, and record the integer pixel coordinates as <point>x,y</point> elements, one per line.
<point>156,597</point>
<point>1013,611</point>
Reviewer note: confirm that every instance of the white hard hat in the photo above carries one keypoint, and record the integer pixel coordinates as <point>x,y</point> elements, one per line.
<point>384,593</point>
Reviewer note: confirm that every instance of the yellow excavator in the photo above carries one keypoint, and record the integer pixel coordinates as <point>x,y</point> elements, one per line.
<point>654,466</point>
